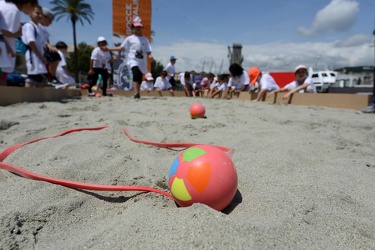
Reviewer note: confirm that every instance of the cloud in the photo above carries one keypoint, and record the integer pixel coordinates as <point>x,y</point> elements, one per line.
<point>338,15</point>
<point>277,56</point>
<point>353,41</point>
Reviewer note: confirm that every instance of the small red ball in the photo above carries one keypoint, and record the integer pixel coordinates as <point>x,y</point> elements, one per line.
<point>197,111</point>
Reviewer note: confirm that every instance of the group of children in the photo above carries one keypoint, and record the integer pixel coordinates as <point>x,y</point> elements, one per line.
<point>233,83</point>
<point>44,62</point>
<point>42,58</point>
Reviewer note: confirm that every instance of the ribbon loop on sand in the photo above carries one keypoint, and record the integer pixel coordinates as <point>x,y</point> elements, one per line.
<point>86,186</point>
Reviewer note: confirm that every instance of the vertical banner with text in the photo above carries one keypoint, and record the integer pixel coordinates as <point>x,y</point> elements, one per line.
<point>123,12</point>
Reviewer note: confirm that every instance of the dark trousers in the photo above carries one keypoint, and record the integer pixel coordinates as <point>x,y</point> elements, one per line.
<point>94,79</point>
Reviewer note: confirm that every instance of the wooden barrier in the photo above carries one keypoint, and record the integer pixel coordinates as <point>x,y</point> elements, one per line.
<point>11,95</point>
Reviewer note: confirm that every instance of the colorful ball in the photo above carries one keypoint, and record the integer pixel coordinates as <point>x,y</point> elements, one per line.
<point>197,111</point>
<point>98,95</point>
<point>203,174</point>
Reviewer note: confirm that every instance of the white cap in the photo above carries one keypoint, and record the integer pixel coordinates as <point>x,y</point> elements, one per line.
<point>300,67</point>
<point>101,39</point>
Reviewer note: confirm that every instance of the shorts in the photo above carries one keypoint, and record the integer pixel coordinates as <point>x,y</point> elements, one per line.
<point>137,75</point>
<point>172,81</point>
<point>34,79</point>
<point>51,56</point>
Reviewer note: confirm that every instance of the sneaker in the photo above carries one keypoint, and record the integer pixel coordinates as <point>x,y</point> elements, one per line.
<point>55,80</point>
<point>369,110</point>
<point>92,94</point>
<point>137,96</point>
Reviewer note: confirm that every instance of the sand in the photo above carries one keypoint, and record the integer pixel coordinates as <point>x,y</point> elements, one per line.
<point>305,176</point>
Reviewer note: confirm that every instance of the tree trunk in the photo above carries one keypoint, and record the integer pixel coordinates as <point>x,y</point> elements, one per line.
<point>75,50</point>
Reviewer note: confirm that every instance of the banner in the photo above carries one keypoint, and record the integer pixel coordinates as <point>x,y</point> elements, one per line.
<point>123,12</point>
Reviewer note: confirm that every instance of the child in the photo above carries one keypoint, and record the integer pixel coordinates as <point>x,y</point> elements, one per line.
<point>197,86</point>
<point>221,87</point>
<point>50,52</point>
<point>10,10</point>
<point>35,62</point>
<point>5,50</point>
<point>303,83</point>
<point>171,70</point>
<point>148,84</point>
<point>138,48</point>
<point>205,87</point>
<point>239,80</point>
<point>265,81</point>
<point>186,82</point>
<point>99,59</point>
<point>212,83</point>
<point>162,83</point>
<point>64,76</point>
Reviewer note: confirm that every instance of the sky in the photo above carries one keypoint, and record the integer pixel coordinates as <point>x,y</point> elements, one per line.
<point>275,35</point>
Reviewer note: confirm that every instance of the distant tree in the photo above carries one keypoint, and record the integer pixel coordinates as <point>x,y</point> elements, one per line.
<point>74,10</point>
<point>83,60</point>
<point>156,68</point>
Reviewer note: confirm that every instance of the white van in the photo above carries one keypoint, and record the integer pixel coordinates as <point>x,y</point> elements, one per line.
<point>323,79</point>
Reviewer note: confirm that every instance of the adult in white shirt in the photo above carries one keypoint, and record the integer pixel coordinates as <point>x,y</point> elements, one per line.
<point>238,81</point>
<point>171,70</point>
<point>302,84</point>
<point>265,81</point>
<point>11,28</point>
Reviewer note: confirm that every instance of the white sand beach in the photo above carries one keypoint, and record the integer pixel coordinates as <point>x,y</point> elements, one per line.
<point>306,176</point>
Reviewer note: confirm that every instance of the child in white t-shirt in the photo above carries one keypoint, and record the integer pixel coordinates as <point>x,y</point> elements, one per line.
<point>64,76</point>
<point>186,82</point>
<point>50,52</point>
<point>264,80</point>
<point>11,29</point>
<point>212,83</point>
<point>221,86</point>
<point>162,83</point>
<point>238,81</point>
<point>197,86</point>
<point>138,49</point>
<point>5,50</point>
<point>302,84</point>
<point>148,84</point>
<point>99,63</point>
<point>35,62</point>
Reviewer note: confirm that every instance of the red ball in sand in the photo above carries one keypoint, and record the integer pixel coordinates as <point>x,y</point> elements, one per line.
<point>98,95</point>
<point>203,174</point>
<point>197,111</point>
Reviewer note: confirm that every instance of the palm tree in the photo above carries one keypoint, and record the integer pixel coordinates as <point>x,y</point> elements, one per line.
<point>74,10</point>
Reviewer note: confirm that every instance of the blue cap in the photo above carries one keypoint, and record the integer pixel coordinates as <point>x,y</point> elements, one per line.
<point>197,79</point>
<point>172,58</point>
